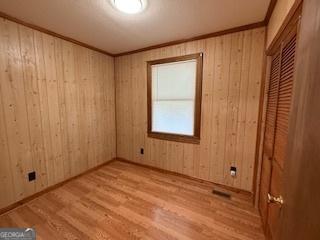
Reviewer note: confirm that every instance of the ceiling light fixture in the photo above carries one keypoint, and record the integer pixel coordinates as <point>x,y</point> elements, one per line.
<point>129,6</point>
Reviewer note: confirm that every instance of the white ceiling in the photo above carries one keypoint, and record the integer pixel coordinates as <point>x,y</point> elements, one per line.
<point>97,23</point>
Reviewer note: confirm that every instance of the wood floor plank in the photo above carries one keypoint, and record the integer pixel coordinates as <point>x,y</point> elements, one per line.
<point>125,201</point>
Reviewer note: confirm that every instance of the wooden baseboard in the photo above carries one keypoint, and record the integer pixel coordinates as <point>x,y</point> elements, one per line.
<point>228,188</point>
<point>48,189</point>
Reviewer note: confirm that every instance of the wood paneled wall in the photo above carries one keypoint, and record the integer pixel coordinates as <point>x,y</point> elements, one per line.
<point>57,110</point>
<point>232,77</point>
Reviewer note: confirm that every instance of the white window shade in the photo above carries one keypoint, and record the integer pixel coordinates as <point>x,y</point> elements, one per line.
<point>173,97</point>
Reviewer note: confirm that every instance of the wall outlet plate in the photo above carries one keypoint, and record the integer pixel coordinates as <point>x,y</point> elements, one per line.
<point>233,171</point>
<point>32,176</point>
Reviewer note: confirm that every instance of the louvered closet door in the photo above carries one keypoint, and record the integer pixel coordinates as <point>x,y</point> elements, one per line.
<point>272,105</point>
<point>287,63</point>
<point>272,102</point>
<point>284,100</point>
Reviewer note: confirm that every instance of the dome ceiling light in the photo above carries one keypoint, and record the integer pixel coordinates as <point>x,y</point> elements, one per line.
<point>129,6</point>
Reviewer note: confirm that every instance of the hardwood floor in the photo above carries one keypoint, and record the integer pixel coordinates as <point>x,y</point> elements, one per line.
<point>125,201</point>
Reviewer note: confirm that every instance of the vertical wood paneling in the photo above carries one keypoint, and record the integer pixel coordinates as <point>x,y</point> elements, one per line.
<point>243,92</point>
<point>33,104</point>
<point>82,64</point>
<point>57,110</point>
<point>207,103</point>
<point>217,117</point>
<point>53,104</point>
<point>15,110</point>
<point>252,106</point>
<point>109,111</point>
<point>72,108</point>
<point>124,113</point>
<point>233,102</point>
<point>230,101</point>
<point>6,177</point>
<point>62,106</point>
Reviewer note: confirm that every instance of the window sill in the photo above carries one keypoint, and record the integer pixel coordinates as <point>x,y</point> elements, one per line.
<point>175,137</point>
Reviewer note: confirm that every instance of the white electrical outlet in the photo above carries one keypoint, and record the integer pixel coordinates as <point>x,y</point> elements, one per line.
<point>233,171</point>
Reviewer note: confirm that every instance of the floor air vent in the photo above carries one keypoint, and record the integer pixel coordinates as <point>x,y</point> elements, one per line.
<point>221,194</point>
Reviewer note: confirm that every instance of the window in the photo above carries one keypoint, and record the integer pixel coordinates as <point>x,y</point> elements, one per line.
<point>174,98</point>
